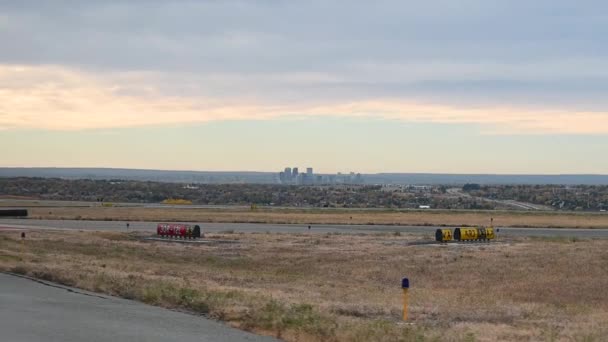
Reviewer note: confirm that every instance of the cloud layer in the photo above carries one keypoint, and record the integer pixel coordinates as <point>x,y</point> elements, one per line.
<point>510,67</point>
<point>47,97</point>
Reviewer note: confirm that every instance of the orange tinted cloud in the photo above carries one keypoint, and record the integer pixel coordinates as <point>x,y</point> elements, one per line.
<point>58,98</point>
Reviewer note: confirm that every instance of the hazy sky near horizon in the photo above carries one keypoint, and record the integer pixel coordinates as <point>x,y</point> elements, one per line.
<point>385,86</point>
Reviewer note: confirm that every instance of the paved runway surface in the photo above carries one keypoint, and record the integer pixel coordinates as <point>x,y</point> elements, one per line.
<point>287,228</point>
<point>31,312</point>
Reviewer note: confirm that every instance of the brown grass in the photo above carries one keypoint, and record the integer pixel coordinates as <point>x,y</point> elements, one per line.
<point>339,287</point>
<point>300,216</point>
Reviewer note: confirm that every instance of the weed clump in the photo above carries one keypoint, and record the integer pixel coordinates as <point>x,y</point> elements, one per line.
<point>300,318</point>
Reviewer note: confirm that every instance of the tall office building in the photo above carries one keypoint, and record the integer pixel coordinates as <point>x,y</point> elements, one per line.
<point>309,177</point>
<point>293,176</point>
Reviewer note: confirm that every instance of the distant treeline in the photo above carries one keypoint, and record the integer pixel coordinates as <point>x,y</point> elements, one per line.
<point>473,196</point>
<point>340,196</point>
<point>581,197</point>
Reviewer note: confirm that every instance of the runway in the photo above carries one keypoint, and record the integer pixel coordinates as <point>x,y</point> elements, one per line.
<point>37,311</point>
<point>288,228</point>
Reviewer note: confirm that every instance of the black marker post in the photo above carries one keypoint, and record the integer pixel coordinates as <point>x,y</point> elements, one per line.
<point>405,285</point>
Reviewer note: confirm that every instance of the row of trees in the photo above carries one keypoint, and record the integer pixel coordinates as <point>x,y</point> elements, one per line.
<point>356,196</point>
<point>561,197</point>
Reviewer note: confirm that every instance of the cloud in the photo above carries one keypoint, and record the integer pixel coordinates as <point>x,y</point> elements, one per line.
<point>518,66</point>
<point>283,35</point>
<point>59,98</point>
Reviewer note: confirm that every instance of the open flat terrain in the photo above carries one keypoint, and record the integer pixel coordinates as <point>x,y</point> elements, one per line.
<point>427,231</point>
<point>322,216</point>
<point>341,287</point>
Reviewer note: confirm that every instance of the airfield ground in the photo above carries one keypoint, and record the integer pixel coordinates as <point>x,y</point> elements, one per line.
<point>341,287</point>
<point>545,219</point>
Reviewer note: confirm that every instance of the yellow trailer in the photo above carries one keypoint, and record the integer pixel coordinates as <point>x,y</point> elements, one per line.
<point>466,234</point>
<point>474,234</point>
<point>444,235</point>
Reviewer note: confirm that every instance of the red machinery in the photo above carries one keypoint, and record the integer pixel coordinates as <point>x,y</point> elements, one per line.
<point>177,230</point>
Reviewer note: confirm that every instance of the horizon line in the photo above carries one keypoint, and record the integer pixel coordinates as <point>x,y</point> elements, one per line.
<point>273,172</point>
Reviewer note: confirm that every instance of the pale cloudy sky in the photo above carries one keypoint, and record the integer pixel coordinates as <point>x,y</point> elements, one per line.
<point>371,86</point>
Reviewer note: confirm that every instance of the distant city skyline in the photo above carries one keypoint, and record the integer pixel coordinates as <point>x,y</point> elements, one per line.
<point>390,86</point>
<point>293,176</point>
<point>219,177</point>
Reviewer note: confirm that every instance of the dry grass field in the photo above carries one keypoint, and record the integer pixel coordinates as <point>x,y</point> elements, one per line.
<point>301,216</point>
<point>341,287</point>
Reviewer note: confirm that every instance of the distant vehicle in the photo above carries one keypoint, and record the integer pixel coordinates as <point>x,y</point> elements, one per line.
<point>424,207</point>
<point>13,213</point>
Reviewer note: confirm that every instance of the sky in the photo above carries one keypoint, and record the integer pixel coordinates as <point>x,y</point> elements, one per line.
<point>471,86</point>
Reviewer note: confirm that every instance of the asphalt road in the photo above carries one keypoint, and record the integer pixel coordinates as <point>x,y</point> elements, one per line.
<point>32,311</point>
<point>286,228</point>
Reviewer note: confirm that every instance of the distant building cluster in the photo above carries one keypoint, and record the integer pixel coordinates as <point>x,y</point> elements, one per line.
<point>409,188</point>
<point>293,176</point>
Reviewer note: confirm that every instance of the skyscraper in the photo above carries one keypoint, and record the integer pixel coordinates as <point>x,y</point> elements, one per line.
<point>310,179</point>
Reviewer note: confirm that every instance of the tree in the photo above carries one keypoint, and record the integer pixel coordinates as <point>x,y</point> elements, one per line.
<point>471,187</point>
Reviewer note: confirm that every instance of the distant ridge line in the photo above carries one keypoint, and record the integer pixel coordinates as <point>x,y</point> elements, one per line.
<point>261,177</point>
